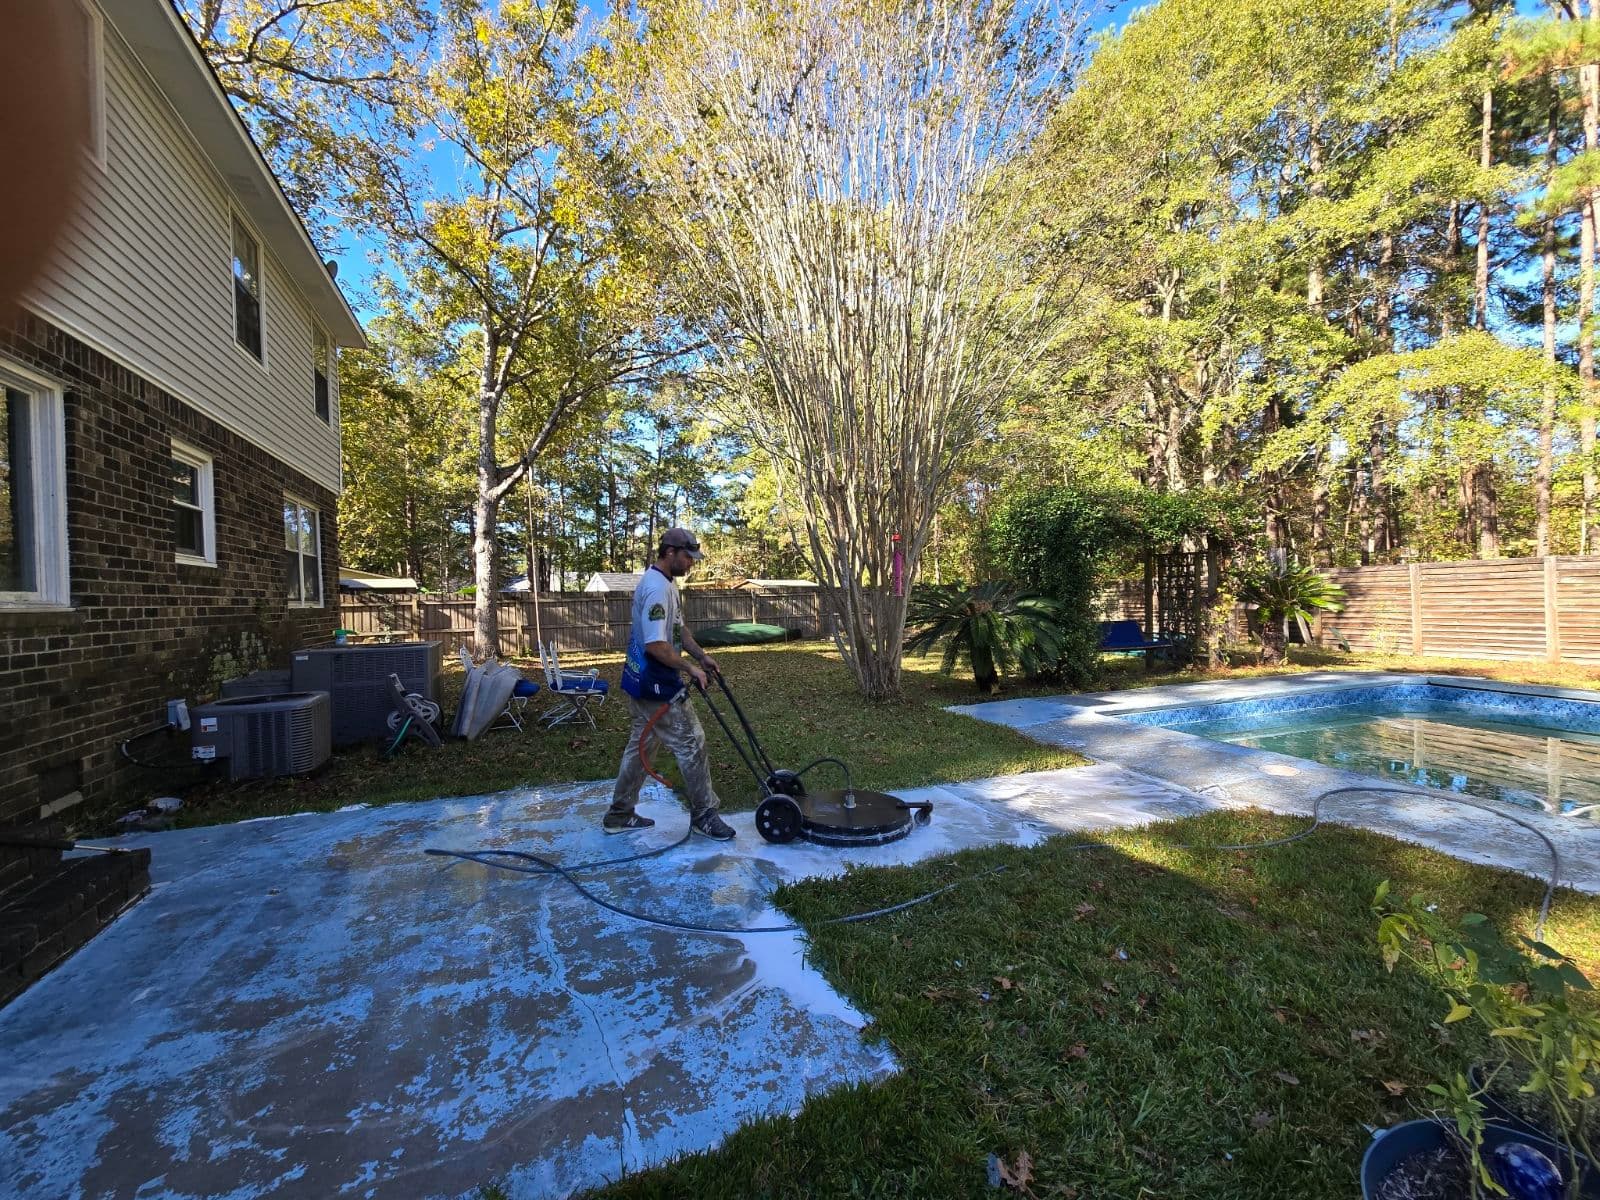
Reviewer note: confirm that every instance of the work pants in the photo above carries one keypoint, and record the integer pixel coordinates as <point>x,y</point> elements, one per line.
<point>678,729</point>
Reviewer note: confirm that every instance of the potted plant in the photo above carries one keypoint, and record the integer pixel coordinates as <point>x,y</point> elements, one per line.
<point>1525,994</point>
<point>1281,592</point>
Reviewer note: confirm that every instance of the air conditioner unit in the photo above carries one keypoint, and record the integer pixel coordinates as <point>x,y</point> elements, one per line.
<point>264,736</point>
<point>356,679</point>
<point>257,683</point>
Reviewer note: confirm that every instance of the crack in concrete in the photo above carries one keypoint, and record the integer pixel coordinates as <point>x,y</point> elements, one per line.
<point>547,940</point>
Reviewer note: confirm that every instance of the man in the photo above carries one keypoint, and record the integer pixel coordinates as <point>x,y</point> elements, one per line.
<point>652,679</point>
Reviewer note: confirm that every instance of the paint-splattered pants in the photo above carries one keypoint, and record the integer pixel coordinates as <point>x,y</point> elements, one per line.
<point>678,729</point>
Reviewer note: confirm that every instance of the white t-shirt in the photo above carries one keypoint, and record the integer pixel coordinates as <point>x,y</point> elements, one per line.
<point>655,611</point>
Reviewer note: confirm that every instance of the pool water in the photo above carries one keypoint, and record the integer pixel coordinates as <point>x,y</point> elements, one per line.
<point>1437,745</point>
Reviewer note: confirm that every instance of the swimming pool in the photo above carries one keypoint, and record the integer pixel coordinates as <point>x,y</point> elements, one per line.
<point>1531,749</point>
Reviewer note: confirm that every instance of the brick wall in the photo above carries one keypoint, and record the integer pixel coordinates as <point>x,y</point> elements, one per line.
<point>75,684</point>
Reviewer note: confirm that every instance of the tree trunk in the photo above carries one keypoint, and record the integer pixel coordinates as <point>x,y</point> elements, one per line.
<point>1383,525</point>
<point>1480,278</point>
<point>1487,514</point>
<point>1467,508</point>
<point>1589,85</point>
<point>1274,641</point>
<point>1547,410</point>
<point>485,516</point>
<point>1452,252</point>
<point>1321,509</point>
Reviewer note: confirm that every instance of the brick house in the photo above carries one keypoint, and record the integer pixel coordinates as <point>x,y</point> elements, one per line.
<point>171,470</point>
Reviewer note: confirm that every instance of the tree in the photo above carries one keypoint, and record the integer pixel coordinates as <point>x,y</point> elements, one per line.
<point>833,177</point>
<point>305,75</point>
<point>529,266</point>
<point>405,427</point>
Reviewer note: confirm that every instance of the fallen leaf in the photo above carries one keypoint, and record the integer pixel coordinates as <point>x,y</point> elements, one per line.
<point>1107,986</point>
<point>1366,1037</point>
<point>1285,1077</point>
<point>1076,1050</point>
<point>1083,910</point>
<point>1394,1087</point>
<point>1019,1174</point>
<point>1281,1017</point>
<point>1261,1121</point>
<point>1005,984</point>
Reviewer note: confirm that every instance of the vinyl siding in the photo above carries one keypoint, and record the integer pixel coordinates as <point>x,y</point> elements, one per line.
<point>144,273</point>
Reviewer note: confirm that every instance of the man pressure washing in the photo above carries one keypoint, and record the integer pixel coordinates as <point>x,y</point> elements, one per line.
<point>652,678</point>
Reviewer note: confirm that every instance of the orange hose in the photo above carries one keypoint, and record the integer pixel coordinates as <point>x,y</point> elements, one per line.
<point>644,736</point>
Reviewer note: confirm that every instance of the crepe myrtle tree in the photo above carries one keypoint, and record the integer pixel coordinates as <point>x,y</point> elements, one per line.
<point>839,181</point>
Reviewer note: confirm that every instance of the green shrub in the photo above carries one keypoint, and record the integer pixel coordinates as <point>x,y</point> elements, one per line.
<point>1056,542</point>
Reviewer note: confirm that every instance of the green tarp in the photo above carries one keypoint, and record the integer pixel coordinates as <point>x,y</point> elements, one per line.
<point>743,633</point>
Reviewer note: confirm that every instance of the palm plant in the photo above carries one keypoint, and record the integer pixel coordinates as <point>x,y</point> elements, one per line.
<point>994,626</point>
<point>1284,592</point>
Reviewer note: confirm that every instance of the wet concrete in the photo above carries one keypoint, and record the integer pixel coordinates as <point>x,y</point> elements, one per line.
<point>1238,776</point>
<point>310,1007</point>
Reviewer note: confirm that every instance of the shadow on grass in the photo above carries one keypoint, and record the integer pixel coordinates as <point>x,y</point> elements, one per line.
<point>1141,1020</point>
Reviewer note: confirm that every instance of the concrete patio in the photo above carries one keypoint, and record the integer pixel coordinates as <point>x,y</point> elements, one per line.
<point>310,1007</point>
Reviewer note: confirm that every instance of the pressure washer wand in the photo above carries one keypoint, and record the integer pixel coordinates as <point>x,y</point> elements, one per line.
<point>744,721</point>
<point>761,781</point>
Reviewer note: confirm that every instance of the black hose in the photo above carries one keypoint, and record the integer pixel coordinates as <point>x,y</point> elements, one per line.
<point>545,866</point>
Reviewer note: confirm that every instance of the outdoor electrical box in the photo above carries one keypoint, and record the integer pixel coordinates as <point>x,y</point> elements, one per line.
<point>356,679</point>
<point>264,736</point>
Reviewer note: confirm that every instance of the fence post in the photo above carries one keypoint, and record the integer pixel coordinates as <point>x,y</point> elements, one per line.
<point>1552,611</point>
<point>416,615</point>
<point>1414,574</point>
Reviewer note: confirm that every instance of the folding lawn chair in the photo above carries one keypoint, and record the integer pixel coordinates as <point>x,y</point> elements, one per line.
<point>575,691</point>
<point>492,685</point>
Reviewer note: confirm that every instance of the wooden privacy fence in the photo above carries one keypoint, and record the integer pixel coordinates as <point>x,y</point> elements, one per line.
<point>573,620</point>
<point>1538,608</point>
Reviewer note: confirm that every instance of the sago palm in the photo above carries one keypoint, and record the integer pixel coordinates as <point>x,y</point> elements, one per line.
<point>993,626</point>
<point>1285,592</point>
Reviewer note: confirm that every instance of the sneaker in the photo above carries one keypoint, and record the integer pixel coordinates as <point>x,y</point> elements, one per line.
<point>625,822</point>
<point>712,826</point>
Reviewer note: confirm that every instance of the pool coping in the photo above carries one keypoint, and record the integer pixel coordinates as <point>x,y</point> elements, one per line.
<point>1239,776</point>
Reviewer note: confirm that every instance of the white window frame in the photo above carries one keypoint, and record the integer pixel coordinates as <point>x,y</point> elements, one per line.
<point>305,506</point>
<point>47,442</point>
<point>206,495</point>
<point>236,219</point>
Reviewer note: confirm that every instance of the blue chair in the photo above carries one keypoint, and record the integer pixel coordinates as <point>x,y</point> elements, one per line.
<point>577,691</point>
<point>1126,637</point>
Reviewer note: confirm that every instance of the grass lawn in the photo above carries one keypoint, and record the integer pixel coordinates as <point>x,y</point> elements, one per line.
<point>1140,1021</point>
<point>800,698</point>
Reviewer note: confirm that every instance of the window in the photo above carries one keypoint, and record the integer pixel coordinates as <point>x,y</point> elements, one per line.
<point>302,553</point>
<point>193,511</point>
<point>246,289</point>
<point>33,504</point>
<point>319,370</point>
